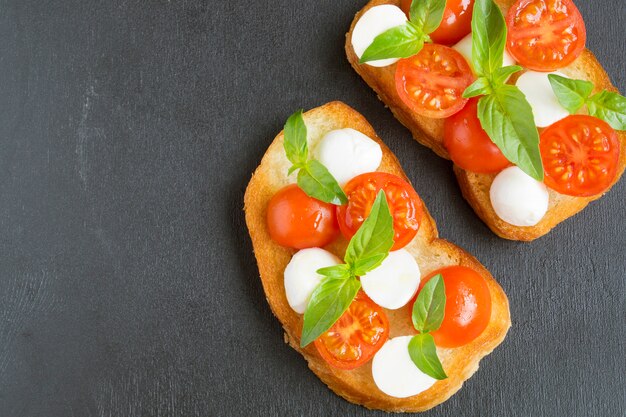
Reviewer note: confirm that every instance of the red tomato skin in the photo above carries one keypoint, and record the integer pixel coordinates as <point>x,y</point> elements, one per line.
<point>577,152</point>
<point>376,315</point>
<point>468,306</point>
<point>352,215</point>
<point>469,145</point>
<point>298,221</point>
<point>456,22</point>
<point>524,56</point>
<point>419,73</point>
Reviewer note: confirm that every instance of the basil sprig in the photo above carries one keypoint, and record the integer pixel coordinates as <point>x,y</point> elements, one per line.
<point>313,177</point>
<point>428,313</point>
<point>574,94</point>
<point>367,249</point>
<point>408,39</point>
<point>503,110</point>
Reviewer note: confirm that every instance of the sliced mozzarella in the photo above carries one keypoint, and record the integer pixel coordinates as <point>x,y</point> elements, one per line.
<point>538,91</point>
<point>464,46</point>
<point>517,198</point>
<point>394,372</point>
<point>301,277</point>
<point>375,21</point>
<point>347,153</point>
<point>394,282</point>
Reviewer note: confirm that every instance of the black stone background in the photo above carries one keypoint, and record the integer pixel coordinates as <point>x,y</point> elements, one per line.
<point>128,132</point>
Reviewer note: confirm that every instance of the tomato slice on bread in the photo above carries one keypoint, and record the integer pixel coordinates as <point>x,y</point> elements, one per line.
<point>580,155</point>
<point>298,221</point>
<point>545,35</point>
<point>358,334</point>
<point>469,145</point>
<point>456,23</point>
<point>468,306</point>
<point>431,83</point>
<point>404,204</point>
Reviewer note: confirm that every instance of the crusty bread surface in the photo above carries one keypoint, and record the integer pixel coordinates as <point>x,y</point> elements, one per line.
<point>475,187</point>
<point>431,253</point>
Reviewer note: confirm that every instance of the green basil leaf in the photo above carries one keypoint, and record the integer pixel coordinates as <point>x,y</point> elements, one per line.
<point>317,182</point>
<point>610,107</point>
<point>329,301</point>
<point>335,271</point>
<point>572,94</point>
<point>488,37</point>
<point>423,353</point>
<point>363,266</point>
<point>427,14</point>
<point>370,245</point>
<point>480,87</point>
<point>429,307</point>
<point>501,75</point>
<point>398,42</point>
<point>295,167</point>
<point>295,142</point>
<point>508,119</point>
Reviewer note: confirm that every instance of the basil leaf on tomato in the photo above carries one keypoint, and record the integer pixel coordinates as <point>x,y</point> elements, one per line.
<point>501,75</point>
<point>398,42</point>
<point>370,245</point>
<point>572,94</point>
<point>488,37</point>
<point>508,119</point>
<point>610,107</point>
<point>480,87</point>
<point>423,353</point>
<point>429,307</point>
<point>427,14</point>
<point>366,250</point>
<point>329,301</point>
<point>317,182</point>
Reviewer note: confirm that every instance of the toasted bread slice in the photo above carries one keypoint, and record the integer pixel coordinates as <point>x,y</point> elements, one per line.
<point>431,253</point>
<point>475,187</point>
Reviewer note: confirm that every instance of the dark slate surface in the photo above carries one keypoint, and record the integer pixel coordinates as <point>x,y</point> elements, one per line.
<point>128,131</point>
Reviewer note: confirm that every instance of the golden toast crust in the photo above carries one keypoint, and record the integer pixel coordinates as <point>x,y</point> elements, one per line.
<point>431,253</point>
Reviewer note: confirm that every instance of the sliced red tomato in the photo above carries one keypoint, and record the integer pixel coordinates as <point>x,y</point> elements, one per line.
<point>298,221</point>
<point>545,35</point>
<point>456,23</point>
<point>469,145</point>
<point>432,82</point>
<point>580,155</point>
<point>468,306</point>
<point>404,204</point>
<point>358,334</point>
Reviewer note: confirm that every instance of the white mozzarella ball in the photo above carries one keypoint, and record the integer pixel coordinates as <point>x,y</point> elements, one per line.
<point>372,23</point>
<point>394,372</point>
<point>301,277</point>
<point>394,283</point>
<point>517,198</point>
<point>347,153</point>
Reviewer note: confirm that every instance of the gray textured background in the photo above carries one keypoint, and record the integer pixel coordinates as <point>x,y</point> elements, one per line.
<point>128,131</point>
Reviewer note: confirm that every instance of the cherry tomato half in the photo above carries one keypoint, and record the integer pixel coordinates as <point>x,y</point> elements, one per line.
<point>469,145</point>
<point>580,155</point>
<point>545,35</point>
<point>358,334</point>
<point>432,82</point>
<point>456,23</point>
<point>404,204</point>
<point>468,306</point>
<point>298,221</point>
